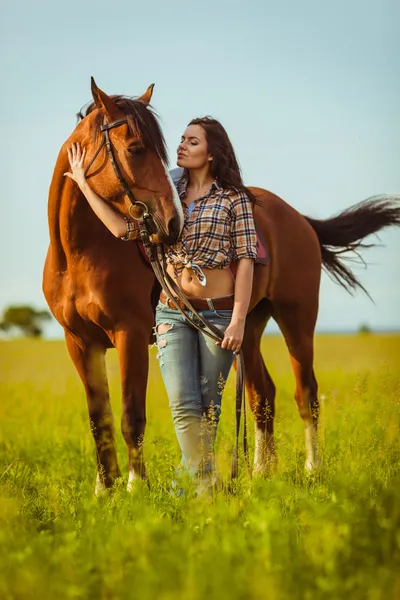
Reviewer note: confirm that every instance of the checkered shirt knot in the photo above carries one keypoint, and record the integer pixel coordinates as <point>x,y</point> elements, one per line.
<point>219,230</point>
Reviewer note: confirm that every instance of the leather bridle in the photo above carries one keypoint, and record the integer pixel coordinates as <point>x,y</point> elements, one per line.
<point>106,142</point>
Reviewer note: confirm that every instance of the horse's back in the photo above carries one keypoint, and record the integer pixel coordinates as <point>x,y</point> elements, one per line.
<point>292,245</point>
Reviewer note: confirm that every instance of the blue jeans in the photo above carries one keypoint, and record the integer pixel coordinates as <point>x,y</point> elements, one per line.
<point>194,370</point>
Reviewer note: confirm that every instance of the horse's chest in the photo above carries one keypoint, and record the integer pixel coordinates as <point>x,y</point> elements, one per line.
<point>83,301</point>
<point>99,297</point>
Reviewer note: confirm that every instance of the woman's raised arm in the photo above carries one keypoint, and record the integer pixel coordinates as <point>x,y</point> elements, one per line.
<point>115,222</point>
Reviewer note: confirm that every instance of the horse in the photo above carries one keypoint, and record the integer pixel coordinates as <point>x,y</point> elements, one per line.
<point>100,289</point>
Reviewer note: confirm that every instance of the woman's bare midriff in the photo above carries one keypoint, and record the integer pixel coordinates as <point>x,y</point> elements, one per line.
<point>220,282</point>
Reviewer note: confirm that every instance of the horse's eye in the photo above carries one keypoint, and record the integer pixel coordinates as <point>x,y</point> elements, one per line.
<point>136,150</point>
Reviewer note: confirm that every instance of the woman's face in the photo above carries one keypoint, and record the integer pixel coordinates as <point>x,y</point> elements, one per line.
<point>193,150</point>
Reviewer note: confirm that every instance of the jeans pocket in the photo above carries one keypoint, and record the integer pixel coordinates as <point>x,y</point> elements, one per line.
<point>226,315</point>
<point>160,308</point>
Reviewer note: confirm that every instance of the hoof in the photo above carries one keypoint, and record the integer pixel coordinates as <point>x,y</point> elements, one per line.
<point>265,469</point>
<point>100,489</point>
<point>311,466</point>
<point>103,488</point>
<point>136,483</point>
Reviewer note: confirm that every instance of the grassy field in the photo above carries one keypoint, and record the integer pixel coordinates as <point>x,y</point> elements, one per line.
<point>336,535</point>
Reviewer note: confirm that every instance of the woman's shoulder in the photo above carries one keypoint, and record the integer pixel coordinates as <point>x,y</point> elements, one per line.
<point>236,196</point>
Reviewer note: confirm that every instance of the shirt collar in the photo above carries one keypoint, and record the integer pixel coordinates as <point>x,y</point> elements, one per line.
<point>183,183</point>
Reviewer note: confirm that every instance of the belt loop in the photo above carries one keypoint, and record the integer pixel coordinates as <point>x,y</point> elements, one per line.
<point>210,304</point>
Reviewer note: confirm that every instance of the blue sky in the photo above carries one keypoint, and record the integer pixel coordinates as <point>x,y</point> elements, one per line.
<point>308,91</point>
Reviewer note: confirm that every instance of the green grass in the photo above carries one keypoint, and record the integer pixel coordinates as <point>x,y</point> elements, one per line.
<point>336,535</point>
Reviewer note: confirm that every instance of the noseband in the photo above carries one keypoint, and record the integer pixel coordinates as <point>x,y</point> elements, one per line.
<point>105,128</point>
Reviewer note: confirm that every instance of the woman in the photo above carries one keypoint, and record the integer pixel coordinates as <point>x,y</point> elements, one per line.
<point>218,231</point>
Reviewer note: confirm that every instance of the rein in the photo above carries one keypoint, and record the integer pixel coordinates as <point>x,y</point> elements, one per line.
<point>157,260</point>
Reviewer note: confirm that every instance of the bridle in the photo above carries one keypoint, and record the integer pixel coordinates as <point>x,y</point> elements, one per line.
<point>106,142</point>
<point>156,256</point>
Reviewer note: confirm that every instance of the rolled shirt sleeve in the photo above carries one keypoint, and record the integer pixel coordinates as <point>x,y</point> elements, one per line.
<point>243,231</point>
<point>132,230</point>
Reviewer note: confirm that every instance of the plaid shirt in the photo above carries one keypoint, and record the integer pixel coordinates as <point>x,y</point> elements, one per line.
<point>132,230</point>
<point>219,230</point>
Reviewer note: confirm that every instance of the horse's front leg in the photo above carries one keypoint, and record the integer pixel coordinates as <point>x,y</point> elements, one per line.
<point>90,364</point>
<point>132,347</point>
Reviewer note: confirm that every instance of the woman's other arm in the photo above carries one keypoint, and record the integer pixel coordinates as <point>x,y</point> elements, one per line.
<point>244,244</point>
<point>243,285</point>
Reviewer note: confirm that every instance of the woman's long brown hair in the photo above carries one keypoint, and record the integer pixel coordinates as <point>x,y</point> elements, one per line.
<point>224,166</point>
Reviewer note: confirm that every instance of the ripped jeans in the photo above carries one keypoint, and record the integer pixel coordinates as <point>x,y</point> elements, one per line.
<point>194,370</point>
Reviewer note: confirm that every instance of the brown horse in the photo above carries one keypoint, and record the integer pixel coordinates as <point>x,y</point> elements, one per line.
<point>99,288</point>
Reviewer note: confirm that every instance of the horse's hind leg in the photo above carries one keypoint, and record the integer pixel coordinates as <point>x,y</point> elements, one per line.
<point>90,364</point>
<point>260,389</point>
<point>297,325</point>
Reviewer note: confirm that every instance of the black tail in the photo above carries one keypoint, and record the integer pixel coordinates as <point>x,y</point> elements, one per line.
<point>345,232</point>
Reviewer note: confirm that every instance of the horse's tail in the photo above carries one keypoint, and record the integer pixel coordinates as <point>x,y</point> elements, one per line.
<point>345,232</point>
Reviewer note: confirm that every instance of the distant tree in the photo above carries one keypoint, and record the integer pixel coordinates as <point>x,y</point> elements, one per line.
<point>26,319</point>
<point>364,328</point>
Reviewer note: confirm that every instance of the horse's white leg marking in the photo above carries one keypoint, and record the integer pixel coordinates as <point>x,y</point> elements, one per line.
<point>176,200</point>
<point>100,489</point>
<point>264,454</point>
<point>133,477</point>
<point>311,446</point>
<point>259,450</point>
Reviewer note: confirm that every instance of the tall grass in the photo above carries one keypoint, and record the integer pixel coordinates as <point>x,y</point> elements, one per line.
<point>334,535</point>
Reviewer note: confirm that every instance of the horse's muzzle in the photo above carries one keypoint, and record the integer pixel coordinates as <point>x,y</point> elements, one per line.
<point>173,229</point>
<point>170,237</point>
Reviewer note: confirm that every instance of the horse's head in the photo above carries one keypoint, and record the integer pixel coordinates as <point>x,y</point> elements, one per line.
<point>126,161</point>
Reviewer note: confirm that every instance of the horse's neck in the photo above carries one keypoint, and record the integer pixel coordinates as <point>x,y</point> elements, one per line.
<point>68,214</point>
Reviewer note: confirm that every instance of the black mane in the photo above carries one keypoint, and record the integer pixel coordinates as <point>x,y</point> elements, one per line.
<point>142,122</point>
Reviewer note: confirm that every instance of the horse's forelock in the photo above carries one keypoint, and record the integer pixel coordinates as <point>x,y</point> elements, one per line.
<point>142,122</point>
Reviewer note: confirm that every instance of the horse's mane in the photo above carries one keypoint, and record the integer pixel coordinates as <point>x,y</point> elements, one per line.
<point>142,122</point>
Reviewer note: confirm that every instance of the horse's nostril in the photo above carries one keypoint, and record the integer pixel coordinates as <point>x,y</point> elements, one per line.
<point>173,227</point>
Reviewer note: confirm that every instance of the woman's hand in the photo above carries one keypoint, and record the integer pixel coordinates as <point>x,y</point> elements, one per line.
<point>234,333</point>
<point>233,336</point>
<point>76,157</point>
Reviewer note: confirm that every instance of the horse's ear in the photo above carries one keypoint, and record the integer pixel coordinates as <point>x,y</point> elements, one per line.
<point>145,99</point>
<point>102,101</point>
